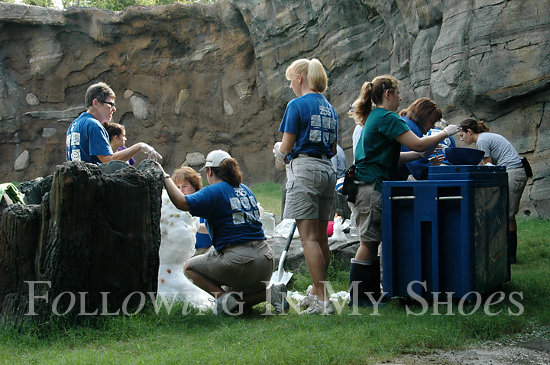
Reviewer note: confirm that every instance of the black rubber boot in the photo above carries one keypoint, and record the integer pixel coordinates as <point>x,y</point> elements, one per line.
<point>512,246</point>
<point>368,278</point>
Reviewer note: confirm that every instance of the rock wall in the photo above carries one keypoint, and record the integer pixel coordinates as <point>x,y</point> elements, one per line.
<point>191,78</point>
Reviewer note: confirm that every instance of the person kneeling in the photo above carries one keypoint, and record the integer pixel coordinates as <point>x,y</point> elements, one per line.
<point>237,269</point>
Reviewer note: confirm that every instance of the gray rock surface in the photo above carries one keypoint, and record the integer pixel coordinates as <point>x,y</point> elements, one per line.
<point>22,162</point>
<point>212,76</point>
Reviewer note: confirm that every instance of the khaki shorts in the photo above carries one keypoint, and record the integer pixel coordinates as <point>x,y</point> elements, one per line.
<point>241,268</point>
<point>516,184</point>
<point>201,251</point>
<point>309,188</point>
<point>367,211</point>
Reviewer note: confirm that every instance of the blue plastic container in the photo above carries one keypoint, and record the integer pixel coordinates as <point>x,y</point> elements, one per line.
<point>463,155</point>
<point>449,234</point>
<point>482,175</point>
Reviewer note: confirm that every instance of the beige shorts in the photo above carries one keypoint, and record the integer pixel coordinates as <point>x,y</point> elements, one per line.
<point>242,268</point>
<point>201,251</point>
<point>516,184</point>
<point>367,211</point>
<point>309,188</point>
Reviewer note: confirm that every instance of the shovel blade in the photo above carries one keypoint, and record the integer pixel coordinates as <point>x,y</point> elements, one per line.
<point>277,278</point>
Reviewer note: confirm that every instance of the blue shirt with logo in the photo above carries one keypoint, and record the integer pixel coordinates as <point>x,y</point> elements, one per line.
<point>87,139</point>
<point>314,122</point>
<point>231,213</point>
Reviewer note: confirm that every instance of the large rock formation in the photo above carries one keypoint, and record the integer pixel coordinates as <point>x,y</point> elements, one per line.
<point>191,78</point>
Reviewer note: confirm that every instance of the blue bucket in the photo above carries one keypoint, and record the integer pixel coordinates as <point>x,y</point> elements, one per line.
<point>463,156</point>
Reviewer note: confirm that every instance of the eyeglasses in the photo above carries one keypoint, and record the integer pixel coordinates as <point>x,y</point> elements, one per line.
<point>351,109</point>
<point>112,105</point>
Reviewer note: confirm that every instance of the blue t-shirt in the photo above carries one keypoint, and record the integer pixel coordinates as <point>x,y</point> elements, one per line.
<point>232,215</point>
<point>418,168</point>
<point>202,239</point>
<point>87,139</point>
<point>314,122</point>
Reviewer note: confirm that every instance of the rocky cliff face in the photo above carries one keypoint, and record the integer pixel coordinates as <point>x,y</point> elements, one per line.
<point>191,78</point>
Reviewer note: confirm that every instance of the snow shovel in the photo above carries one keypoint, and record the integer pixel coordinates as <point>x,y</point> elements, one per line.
<point>281,276</point>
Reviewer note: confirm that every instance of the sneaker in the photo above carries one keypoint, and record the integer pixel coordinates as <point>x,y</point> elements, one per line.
<point>319,307</point>
<point>308,299</point>
<point>226,304</point>
<point>278,298</point>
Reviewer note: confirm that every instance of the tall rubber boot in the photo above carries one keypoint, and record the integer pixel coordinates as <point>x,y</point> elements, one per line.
<point>364,277</point>
<point>512,246</point>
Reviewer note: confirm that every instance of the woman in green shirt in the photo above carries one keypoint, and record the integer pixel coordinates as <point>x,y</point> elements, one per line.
<point>377,156</point>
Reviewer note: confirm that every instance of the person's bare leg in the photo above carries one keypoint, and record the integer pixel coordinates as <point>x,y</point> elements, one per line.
<point>323,243</point>
<point>367,251</point>
<point>313,253</point>
<point>203,283</point>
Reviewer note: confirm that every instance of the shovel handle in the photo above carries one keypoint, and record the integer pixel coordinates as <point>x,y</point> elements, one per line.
<point>280,270</point>
<point>289,238</point>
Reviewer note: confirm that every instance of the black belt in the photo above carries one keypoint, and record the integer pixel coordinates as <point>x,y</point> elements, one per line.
<point>314,155</point>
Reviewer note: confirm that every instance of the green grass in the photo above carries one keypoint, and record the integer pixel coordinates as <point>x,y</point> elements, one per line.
<point>269,196</point>
<point>254,338</point>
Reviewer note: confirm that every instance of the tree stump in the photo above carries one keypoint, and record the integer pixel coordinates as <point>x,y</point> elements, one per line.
<point>94,246</point>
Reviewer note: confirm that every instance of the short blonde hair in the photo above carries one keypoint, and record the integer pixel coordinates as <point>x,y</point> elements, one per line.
<point>312,70</point>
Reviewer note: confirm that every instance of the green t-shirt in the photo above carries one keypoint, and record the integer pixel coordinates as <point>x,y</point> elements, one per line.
<point>377,152</point>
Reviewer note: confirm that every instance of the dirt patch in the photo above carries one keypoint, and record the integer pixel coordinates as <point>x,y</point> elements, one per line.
<point>529,349</point>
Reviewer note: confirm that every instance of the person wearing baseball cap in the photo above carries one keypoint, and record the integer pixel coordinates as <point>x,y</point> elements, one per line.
<point>215,159</point>
<point>236,269</point>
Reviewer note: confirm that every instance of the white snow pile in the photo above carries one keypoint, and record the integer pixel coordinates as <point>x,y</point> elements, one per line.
<point>178,230</point>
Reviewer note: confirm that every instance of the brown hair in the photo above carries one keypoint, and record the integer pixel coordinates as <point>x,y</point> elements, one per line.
<point>229,172</point>
<point>474,125</point>
<point>422,111</point>
<point>373,92</point>
<point>99,91</point>
<point>113,129</point>
<point>313,71</point>
<point>187,173</point>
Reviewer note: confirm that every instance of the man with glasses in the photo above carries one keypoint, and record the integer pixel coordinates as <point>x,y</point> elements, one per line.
<point>88,140</point>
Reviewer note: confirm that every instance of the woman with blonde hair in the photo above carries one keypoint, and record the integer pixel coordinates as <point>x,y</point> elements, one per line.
<point>310,132</point>
<point>376,158</point>
<point>499,151</point>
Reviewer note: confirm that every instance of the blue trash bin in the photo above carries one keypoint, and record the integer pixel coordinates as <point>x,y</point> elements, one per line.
<point>449,234</point>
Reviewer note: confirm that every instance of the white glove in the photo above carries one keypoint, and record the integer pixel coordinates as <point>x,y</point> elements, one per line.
<point>164,174</point>
<point>451,129</point>
<point>150,151</point>
<point>279,157</point>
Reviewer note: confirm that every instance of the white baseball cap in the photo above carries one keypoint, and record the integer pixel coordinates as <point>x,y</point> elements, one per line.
<point>215,158</point>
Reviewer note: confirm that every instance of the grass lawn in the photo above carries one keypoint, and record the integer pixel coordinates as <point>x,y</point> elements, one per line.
<point>255,338</point>
<point>269,196</point>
